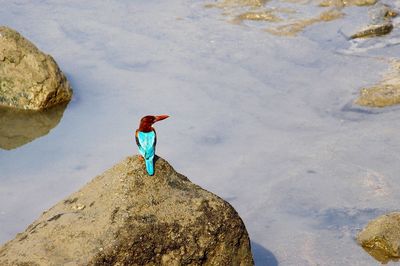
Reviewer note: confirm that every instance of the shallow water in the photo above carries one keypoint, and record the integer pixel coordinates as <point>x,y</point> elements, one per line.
<point>265,122</point>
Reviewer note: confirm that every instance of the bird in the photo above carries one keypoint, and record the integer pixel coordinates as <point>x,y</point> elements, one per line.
<point>146,139</point>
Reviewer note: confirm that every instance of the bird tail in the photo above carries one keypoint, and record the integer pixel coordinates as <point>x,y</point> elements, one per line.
<point>150,165</point>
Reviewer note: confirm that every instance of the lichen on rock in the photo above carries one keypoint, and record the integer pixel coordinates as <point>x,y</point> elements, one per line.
<point>29,79</point>
<point>381,237</point>
<point>131,218</point>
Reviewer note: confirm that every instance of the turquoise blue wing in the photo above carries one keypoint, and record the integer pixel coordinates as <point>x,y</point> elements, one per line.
<point>147,148</point>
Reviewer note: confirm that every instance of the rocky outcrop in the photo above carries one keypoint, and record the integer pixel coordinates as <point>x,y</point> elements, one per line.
<point>29,79</point>
<point>381,237</point>
<point>125,217</point>
<point>19,127</point>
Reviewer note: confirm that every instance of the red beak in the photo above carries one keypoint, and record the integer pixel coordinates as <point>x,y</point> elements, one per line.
<point>160,117</point>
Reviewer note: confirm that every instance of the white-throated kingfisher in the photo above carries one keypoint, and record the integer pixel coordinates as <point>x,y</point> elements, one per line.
<point>146,139</point>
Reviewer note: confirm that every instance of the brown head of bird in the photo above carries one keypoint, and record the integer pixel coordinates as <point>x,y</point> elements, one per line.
<point>146,123</point>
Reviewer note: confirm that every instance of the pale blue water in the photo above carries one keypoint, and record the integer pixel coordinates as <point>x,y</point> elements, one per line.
<point>265,122</point>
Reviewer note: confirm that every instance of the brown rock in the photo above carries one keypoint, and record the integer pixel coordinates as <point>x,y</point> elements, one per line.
<point>373,31</point>
<point>381,95</point>
<point>29,79</point>
<point>384,93</point>
<point>381,237</point>
<point>125,217</point>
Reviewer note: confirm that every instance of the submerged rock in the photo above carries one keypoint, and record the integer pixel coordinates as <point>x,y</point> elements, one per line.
<point>294,28</point>
<point>380,22</point>
<point>19,127</point>
<point>373,31</point>
<point>230,3</point>
<point>288,19</point>
<point>381,95</point>
<point>29,79</point>
<point>385,93</point>
<point>381,237</point>
<point>343,3</point>
<point>125,217</point>
<point>258,16</point>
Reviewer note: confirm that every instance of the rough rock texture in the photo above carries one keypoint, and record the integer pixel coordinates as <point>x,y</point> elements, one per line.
<point>373,31</point>
<point>381,237</point>
<point>380,95</point>
<point>29,79</point>
<point>386,92</point>
<point>125,217</point>
<point>19,127</point>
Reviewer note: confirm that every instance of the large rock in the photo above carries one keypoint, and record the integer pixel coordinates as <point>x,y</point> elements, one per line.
<point>125,217</point>
<point>381,237</point>
<point>29,79</point>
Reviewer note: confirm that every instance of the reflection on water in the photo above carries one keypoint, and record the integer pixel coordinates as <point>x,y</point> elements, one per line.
<point>19,127</point>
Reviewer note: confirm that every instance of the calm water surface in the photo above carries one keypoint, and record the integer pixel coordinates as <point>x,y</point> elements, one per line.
<point>265,122</point>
